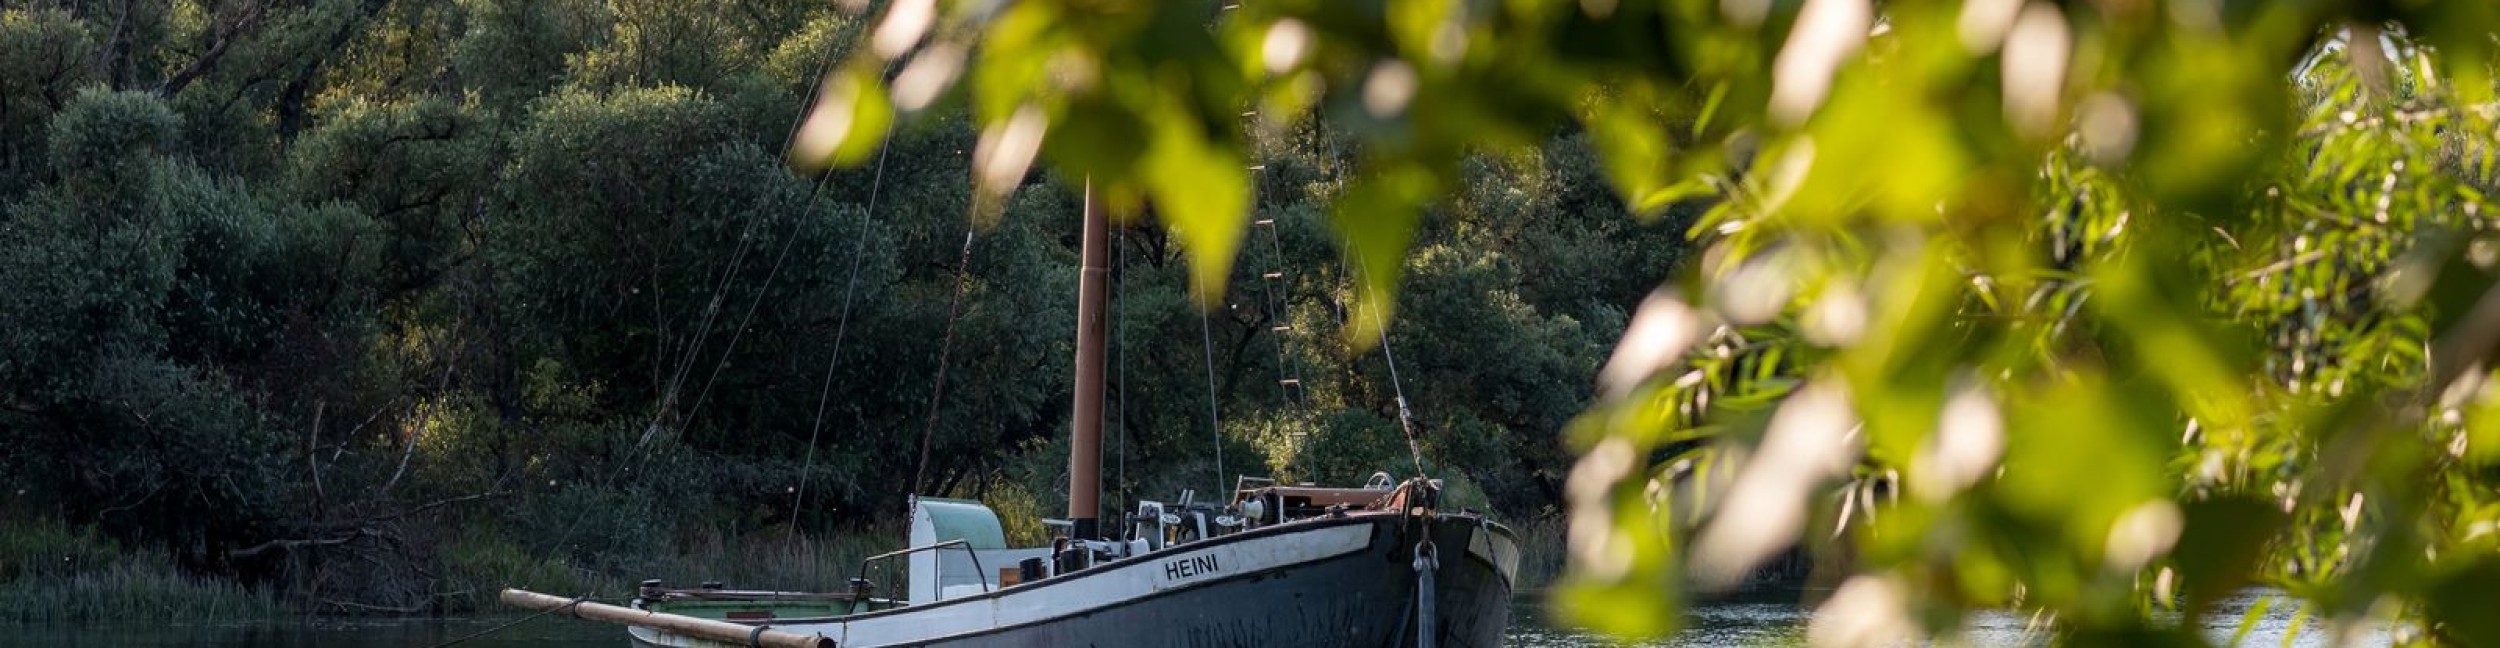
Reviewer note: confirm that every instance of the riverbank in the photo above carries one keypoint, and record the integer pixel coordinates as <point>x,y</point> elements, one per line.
<point>51,573</point>
<point>54,573</point>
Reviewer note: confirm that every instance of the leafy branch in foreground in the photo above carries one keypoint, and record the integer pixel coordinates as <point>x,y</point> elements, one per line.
<point>2094,308</point>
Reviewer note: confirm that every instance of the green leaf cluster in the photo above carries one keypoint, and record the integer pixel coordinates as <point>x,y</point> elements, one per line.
<point>2097,310</point>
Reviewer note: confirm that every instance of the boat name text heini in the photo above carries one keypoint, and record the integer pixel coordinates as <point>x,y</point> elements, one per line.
<point>1180,568</point>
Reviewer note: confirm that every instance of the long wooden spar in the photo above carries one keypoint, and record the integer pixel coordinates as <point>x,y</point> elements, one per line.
<point>1085,438</point>
<point>719,631</point>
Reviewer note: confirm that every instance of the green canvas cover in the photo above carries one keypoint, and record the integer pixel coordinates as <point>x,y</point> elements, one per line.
<point>965,519</point>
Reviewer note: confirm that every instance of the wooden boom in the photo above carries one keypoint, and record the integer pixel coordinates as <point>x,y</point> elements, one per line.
<point>720,631</point>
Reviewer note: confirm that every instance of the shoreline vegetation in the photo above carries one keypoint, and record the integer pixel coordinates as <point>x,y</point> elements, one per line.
<point>50,572</point>
<point>53,573</point>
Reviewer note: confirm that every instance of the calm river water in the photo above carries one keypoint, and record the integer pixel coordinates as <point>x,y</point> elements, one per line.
<point>1717,624</point>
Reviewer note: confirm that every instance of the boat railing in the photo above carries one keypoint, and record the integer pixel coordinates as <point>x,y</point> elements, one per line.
<point>941,590</point>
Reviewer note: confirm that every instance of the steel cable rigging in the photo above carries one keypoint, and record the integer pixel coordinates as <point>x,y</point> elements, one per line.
<point>841,328</point>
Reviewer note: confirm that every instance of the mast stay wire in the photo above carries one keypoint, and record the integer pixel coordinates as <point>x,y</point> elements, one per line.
<point>1289,386</point>
<point>720,289</point>
<point>841,327</point>
<point>1274,297</point>
<point>1119,329</point>
<point>1406,416</point>
<point>694,347</point>
<point>761,292</point>
<point>635,456</point>
<point>737,258</point>
<point>1206,343</point>
<point>789,140</point>
<point>946,349</point>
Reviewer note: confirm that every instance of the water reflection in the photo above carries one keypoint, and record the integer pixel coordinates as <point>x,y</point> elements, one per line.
<point>373,633</point>
<point>1772,622</point>
<point>1783,623</point>
<point>1718,624</point>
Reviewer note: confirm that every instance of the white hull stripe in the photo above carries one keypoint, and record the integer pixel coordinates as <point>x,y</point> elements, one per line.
<point>1497,550</point>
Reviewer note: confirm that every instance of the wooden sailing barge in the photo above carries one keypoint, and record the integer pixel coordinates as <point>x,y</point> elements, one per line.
<point>1269,565</point>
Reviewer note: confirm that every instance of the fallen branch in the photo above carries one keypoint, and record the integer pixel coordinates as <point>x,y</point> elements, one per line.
<point>352,605</point>
<point>428,506</point>
<point>291,545</point>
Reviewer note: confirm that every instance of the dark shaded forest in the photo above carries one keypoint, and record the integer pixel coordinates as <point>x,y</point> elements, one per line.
<point>366,305</point>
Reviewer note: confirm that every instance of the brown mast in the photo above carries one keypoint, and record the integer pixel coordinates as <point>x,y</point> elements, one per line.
<point>1085,445</point>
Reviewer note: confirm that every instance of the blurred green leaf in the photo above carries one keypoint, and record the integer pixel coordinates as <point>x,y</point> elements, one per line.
<point>2461,604</point>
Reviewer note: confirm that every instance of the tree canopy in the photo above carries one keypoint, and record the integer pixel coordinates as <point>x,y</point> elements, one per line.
<point>379,303</point>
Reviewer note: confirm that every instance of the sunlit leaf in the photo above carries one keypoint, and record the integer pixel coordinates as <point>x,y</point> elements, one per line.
<point>847,123</point>
<point>1377,218</point>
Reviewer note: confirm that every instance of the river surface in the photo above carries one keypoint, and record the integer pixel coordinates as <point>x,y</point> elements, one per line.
<point>1714,624</point>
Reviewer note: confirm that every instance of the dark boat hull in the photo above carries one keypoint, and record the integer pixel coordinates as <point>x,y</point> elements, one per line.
<point>1362,597</point>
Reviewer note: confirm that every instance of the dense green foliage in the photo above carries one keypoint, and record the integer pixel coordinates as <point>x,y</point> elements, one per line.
<point>380,304</point>
<point>2094,310</point>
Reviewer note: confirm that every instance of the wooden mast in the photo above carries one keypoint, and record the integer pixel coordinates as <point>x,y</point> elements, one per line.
<point>1085,444</point>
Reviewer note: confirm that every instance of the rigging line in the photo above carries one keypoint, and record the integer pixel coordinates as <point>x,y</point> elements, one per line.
<point>634,459</point>
<point>1405,417</point>
<point>1406,422</point>
<point>694,347</point>
<point>1276,296</point>
<point>1297,395</point>
<point>634,456</point>
<point>736,260</point>
<point>1119,328</point>
<point>761,292</point>
<point>1273,295</point>
<point>1206,342</point>
<point>787,140</point>
<point>791,138</point>
<point>749,317</point>
<point>954,308</point>
<point>841,327</point>
<point>1277,293</point>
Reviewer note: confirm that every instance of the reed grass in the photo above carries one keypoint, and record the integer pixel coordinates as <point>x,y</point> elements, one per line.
<point>1542,553</point>
<point>778,560</point>
<point>477,568</point>
<point>50,572</point>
